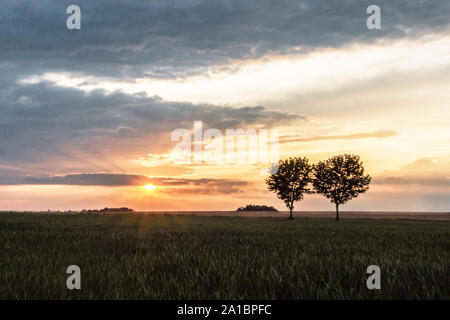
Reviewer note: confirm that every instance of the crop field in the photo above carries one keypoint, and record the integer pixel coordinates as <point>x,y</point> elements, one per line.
<point>144,256</point>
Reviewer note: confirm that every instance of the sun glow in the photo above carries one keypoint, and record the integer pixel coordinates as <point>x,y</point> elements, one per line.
<point>149,187</point>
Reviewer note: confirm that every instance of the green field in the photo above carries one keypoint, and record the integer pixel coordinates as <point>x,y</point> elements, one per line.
<point>137,256</point>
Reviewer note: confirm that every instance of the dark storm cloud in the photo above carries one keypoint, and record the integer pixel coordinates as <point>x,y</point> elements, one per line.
<point>168,38</point>
<point>39,120</point>
<point>95,179</point>
<point>204,186</point>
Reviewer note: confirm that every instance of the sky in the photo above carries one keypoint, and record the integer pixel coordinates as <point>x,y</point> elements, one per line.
<point>95,117</point>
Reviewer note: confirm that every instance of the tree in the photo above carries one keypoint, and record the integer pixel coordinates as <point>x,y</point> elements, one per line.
<point>290,182</point>
<point>340,178</point>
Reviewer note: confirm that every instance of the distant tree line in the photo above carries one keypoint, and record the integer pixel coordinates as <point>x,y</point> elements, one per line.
<point>340,179</point>
<point>108,210</point>
<point>254,207</point>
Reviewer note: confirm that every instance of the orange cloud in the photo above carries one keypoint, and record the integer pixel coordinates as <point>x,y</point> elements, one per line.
<point>376,134</point>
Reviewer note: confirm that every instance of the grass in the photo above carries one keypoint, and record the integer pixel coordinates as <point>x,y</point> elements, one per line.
<point>138,256</point>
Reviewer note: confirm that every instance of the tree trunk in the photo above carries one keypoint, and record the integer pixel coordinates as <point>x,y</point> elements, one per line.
<point>337,212</point>
<point>290,214</point>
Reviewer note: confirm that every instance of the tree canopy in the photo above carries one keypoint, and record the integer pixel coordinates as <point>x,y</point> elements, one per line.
<point>340,179</point>
<point>290,181</point>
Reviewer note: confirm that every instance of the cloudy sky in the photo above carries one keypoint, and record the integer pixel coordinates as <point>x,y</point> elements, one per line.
<point>87,116</point>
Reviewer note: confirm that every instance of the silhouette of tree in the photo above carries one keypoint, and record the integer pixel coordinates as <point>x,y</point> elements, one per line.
<point>290,181</point>
<point>340,178</point>
<point>254,207</point>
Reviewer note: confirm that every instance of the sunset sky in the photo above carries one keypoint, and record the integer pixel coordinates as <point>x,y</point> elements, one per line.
<point>86,116</point>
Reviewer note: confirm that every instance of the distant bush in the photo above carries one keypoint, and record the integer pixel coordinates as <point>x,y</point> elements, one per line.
<point>108,210</point>
<point>254,207</point>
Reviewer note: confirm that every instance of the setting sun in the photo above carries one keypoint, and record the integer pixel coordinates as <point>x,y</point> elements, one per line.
<point>149,187</point>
